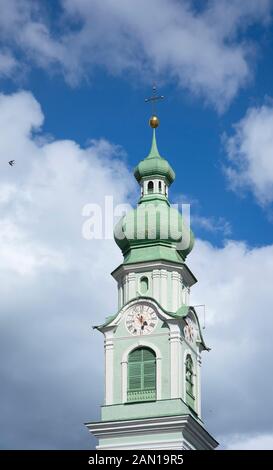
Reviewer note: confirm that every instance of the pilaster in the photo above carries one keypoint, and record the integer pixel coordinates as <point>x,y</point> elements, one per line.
<point>164,288</point>
<point>109,368</point>
<point>175,364</point>
<point>131,286</point>
<point>156,284</point>
<point>175,278</point>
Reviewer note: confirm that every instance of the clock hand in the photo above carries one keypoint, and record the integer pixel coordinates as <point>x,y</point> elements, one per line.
<point>143,325</point>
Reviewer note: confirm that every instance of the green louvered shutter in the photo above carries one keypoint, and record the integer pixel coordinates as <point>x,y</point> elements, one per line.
<point>149,375</point>
<point>135,376</point>
<point>141,375</point>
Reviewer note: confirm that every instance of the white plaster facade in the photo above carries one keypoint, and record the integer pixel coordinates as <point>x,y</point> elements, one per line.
<point>179,348</point>
<point>159,187</point>
<point>169,284</point>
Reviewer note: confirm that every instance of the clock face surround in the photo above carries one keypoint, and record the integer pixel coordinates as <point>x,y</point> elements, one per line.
<point>141,319</point>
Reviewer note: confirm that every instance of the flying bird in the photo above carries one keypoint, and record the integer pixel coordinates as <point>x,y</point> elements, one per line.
<point>11,162</point>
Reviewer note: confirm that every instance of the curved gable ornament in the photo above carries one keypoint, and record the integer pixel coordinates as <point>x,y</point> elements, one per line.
<point>137,301</point>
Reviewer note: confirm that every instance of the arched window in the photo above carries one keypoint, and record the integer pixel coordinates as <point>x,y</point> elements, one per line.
<point>141,375</point>
<point>189,382</point>
<point>159,186</point>
<point>144,285</point>
<point>150,187</point>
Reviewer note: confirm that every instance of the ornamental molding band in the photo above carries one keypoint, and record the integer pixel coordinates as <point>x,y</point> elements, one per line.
<point>153,343</point>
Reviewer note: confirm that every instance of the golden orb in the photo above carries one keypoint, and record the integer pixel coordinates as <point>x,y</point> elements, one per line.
<point>154,122</point>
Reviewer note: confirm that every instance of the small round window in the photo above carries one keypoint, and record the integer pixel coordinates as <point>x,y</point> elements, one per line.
<point>144,285</point>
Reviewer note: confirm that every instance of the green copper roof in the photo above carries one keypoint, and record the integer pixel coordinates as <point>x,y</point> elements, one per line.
<point>154,165</point>
<point>182,311</point>
<point>152,231</point>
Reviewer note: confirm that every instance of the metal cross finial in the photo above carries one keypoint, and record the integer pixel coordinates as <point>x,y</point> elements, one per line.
<point>153,99</point>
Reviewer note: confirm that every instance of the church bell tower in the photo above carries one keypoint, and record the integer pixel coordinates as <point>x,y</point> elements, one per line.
<point>153,344</point>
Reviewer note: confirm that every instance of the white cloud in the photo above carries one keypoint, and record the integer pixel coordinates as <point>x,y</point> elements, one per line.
<point>235,283</point>
<point>256,442</point>
<point>54,285</point>
<point>20,255</point>
<point>212,224</point>
<point>8,64</point>
<point>43,194</point>
<point>250,151</point>
<point>169,40</point>
<point>205,51</point>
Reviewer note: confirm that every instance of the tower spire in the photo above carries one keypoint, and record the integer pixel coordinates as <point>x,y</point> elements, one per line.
<point>154,153</point>
<point>154,166</point>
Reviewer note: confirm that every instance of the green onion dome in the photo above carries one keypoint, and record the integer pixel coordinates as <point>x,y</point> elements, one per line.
<point>154,231</point>
<point>154,165</point>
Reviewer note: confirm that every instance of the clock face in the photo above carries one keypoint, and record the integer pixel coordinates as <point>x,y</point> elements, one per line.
<point>141,319</point>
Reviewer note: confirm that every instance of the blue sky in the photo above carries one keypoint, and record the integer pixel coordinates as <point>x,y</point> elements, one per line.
<point>73,77</point>
<point>105,106</point>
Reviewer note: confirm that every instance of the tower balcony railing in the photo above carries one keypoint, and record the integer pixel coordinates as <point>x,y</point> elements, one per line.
<point>141,395</point>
